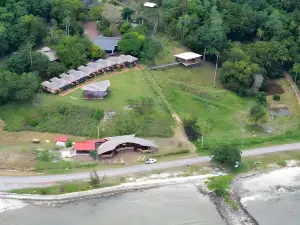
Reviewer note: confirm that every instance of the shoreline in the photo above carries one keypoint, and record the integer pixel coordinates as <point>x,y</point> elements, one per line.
<point>108,191</point>
<point>237,192</point>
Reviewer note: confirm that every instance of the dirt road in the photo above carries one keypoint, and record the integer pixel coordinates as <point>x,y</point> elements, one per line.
<point>7,183</point>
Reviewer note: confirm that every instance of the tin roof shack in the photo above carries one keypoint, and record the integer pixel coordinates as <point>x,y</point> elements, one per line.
<point>97,90</point>
<point>188,58</point>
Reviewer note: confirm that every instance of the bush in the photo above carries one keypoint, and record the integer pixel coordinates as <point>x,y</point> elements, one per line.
<point>261,98</point>
<point>93,154</point>
<point>107,32</point>
<point>226,155</point>
<point>98,114</point>
<point>45,155</point>
<point>191,129</point>
<point>219,184</point>
<point>276,97</point>
<point>69,143</point>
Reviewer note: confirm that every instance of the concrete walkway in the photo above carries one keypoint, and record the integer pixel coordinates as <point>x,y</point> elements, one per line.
<point>7,183</point>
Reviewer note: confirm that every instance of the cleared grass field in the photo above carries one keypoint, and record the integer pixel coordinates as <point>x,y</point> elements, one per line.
<point>191,93</point>
<point>124,86</point>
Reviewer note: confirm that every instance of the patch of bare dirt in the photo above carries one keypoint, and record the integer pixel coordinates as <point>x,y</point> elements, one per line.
<point>91,30</point>
<point>273,88</point>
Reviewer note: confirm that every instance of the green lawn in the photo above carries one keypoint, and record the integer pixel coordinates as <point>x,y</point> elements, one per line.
<point>124,86</point>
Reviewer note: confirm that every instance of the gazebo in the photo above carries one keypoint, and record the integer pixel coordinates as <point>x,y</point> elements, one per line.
<point>188,58</point>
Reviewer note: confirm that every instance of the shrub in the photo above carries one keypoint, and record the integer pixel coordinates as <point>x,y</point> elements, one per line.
<point>261,98</point>
<point>191,129</point>
<point>219,184</point>
<point>98,114</point>
<point>276,97</point>
<point>226,155</point>
<point>93,154</point>
<point>45,155</point>
<point>107,32</point>
<point>69,143</point>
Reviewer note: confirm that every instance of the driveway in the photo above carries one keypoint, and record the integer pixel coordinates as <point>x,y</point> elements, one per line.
<point>7,183</point>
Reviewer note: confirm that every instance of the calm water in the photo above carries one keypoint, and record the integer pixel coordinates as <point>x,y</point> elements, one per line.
<point>282,209</point>
<point>175,205</point>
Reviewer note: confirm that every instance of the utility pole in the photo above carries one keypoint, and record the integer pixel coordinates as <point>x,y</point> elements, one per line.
<point>216,69</point>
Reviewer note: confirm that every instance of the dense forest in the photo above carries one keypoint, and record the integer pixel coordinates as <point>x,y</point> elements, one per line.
<point>245,37</point>
<point>249,36</point>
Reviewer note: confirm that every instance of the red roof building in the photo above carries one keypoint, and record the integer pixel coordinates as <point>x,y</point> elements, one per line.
<point>61,139</point>
<point>89,145</point>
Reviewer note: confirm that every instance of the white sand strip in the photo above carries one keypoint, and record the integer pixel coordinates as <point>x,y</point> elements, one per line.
<point>8,204</point>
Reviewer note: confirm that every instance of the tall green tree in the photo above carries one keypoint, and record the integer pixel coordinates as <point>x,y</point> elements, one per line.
<point>256,113</point>
<point>238,75</point>
<point>16,87</point>
<point>73,51</point>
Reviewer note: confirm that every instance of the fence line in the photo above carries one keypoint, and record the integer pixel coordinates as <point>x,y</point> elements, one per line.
<point>294,86</point>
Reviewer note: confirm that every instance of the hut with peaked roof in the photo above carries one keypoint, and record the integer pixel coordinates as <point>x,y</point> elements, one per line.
<point>120,62</point>
<point>97,90</point>
<point>88,70</point>
<point>69,77</point>
<point>81,76</point>
<point>109,65</point>
<point>98,66</point>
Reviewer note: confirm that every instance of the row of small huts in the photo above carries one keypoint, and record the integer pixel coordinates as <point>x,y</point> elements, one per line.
<point>73,77</point>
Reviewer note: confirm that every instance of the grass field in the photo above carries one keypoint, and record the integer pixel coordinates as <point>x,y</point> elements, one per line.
<point>80,120</point>
<point>191,93</point>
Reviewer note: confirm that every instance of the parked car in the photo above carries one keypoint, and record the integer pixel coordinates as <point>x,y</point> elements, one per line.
<point>150,161</point>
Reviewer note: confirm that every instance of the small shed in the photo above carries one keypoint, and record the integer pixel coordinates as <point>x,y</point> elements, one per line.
<point>188,58</point>
<point>150,4</point>
<point>97,90</point>
<point>51,54</point>
<point>61,141</point>
<point>108,44</point>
